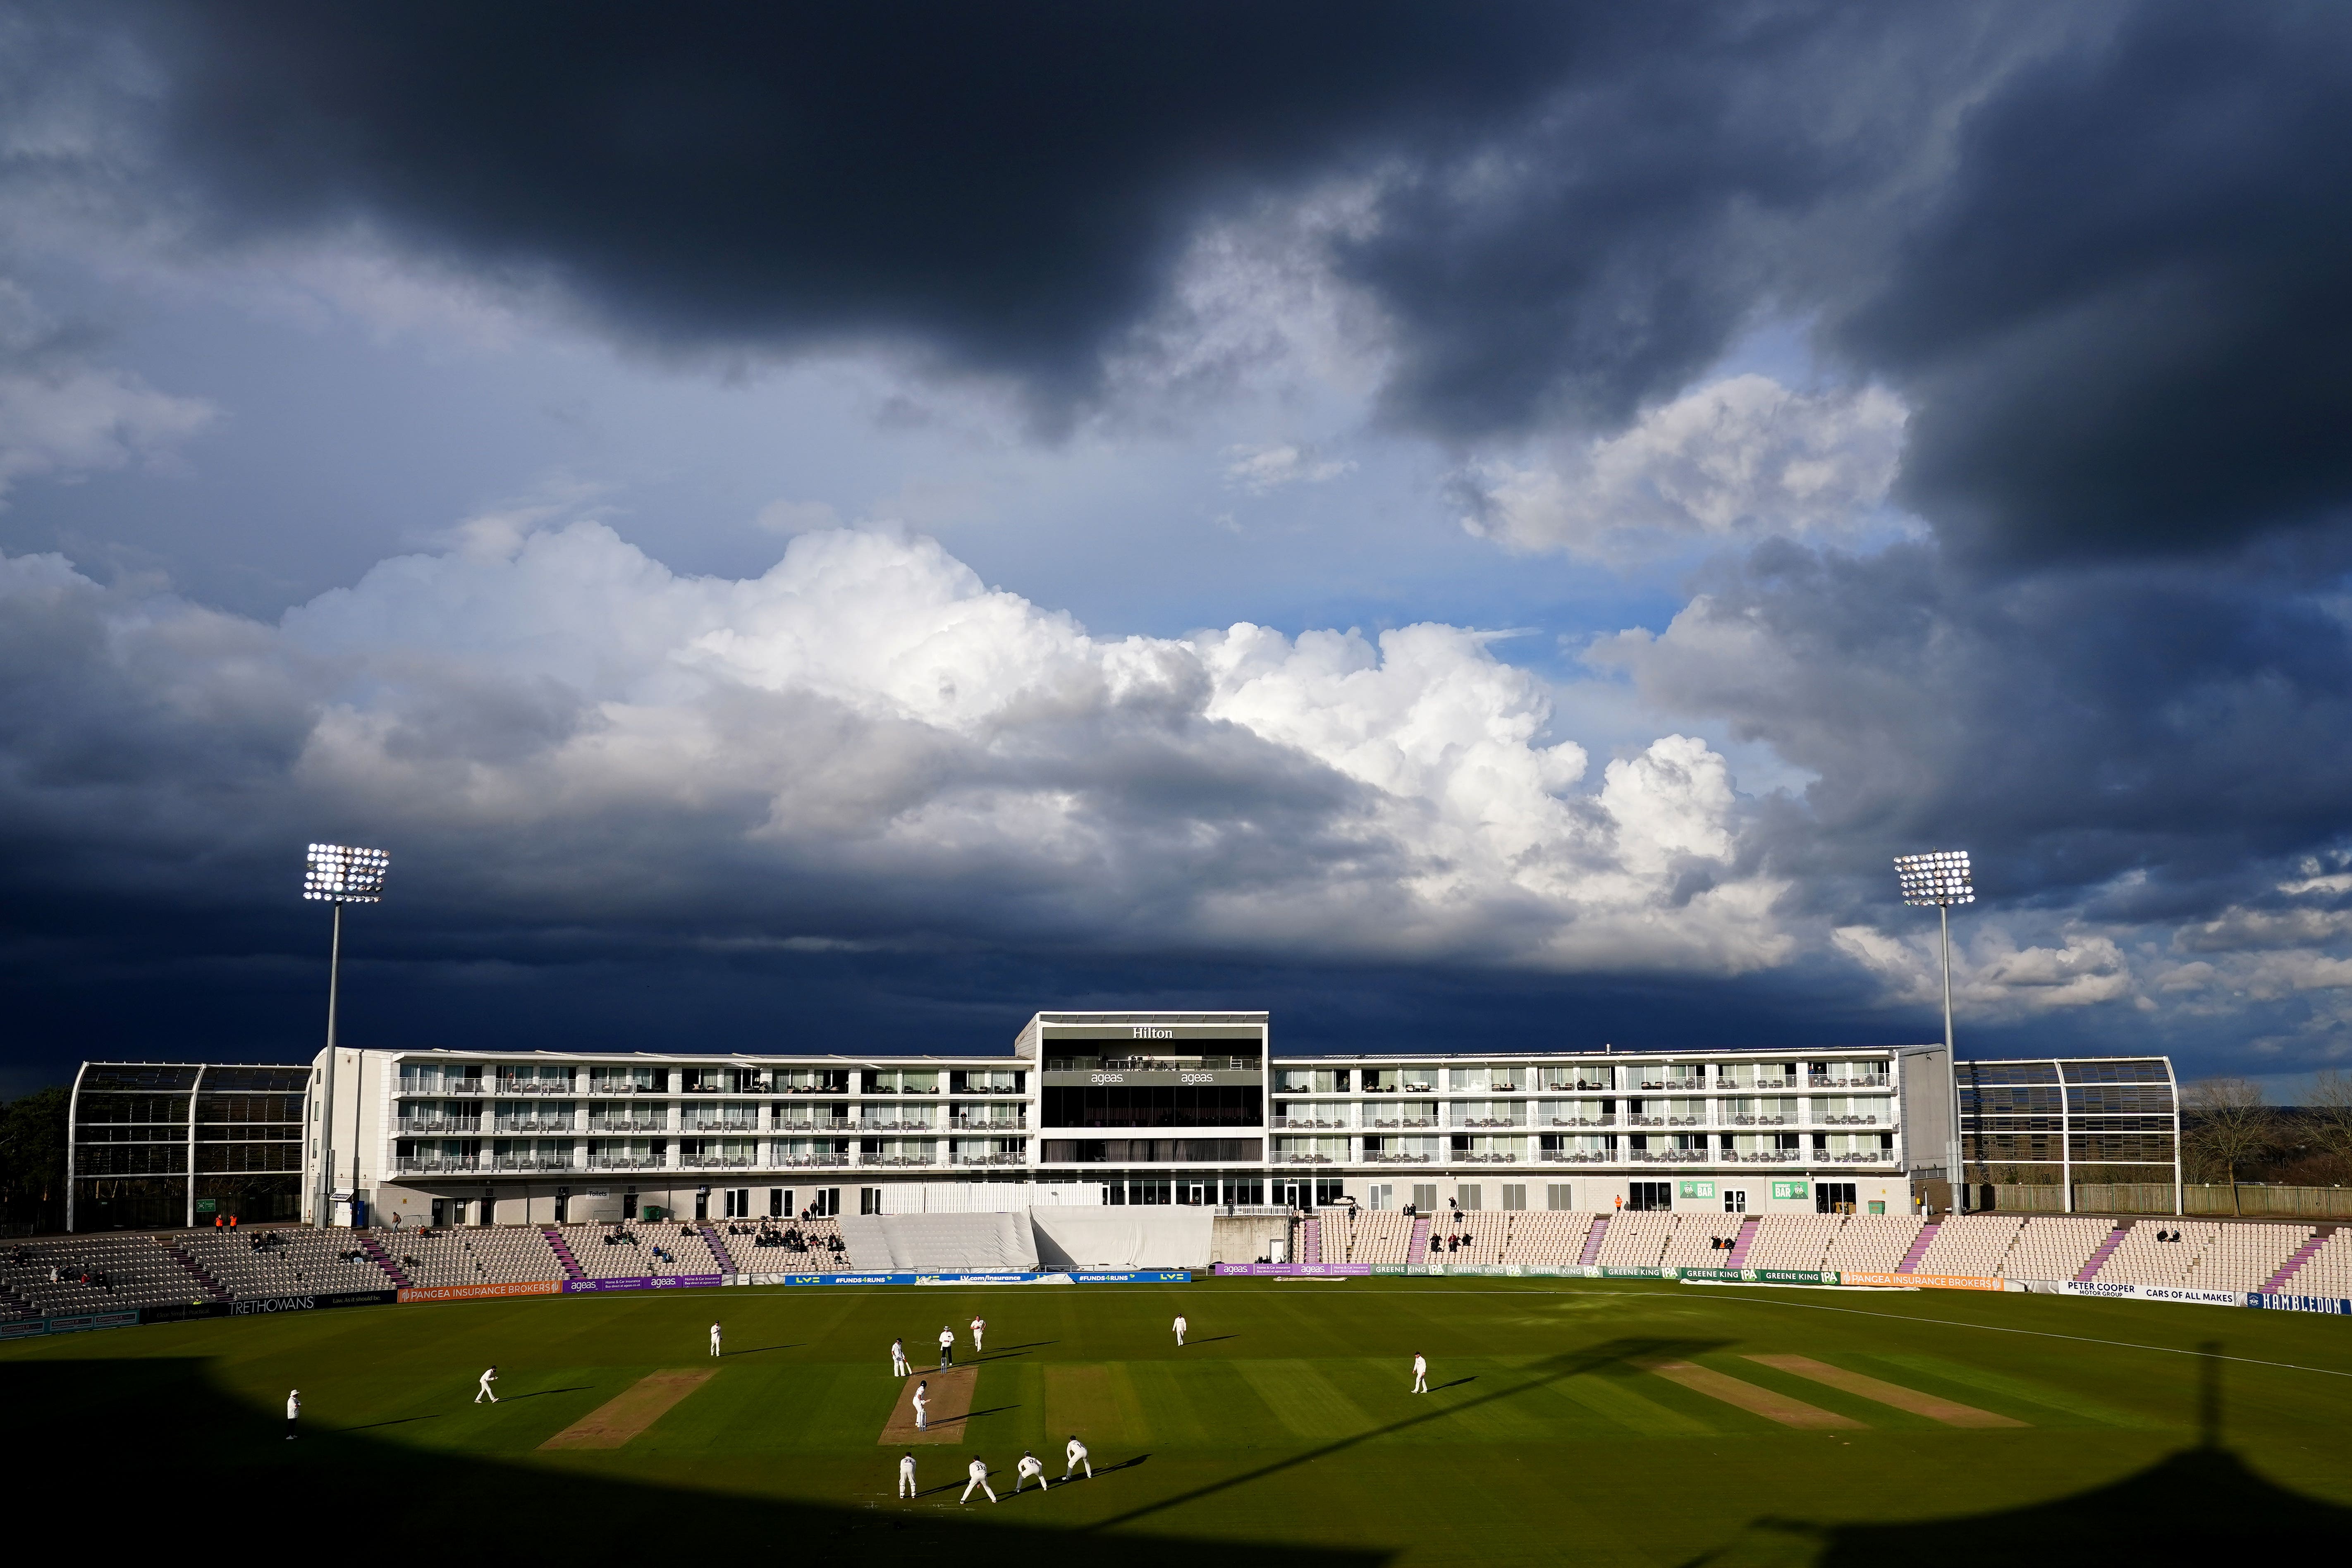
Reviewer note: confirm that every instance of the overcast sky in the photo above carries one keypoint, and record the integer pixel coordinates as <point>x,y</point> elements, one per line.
<point>1470,527</point>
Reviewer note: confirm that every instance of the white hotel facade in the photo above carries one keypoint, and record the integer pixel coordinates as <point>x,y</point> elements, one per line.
<point>1114,1108</point>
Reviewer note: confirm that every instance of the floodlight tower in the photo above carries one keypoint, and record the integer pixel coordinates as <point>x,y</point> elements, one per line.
<point>338,874</point>
<point>1941,877</point>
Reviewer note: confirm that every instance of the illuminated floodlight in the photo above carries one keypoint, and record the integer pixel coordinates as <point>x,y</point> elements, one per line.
<point>1940,880</point>
<point>338,874</point>
<point>341,874</point>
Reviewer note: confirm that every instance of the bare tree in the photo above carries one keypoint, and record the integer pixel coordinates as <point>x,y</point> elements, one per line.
<point>2227,1125</point>
<point>2328,1111</point>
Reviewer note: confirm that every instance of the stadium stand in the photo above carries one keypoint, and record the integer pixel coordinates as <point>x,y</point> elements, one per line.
<point>1971,1245</point>
<point>1636,1240</point>
<point>2052,1246</point>
<point>1371,1236</point>
<point>1871,1243</point>
<point>1475,1236</point>
<point>1703,1240</point>
<point>645,1249</point>
<point>939,1243</point>
<point>1547,1236</point>
<point>289,1260</point>
<point>1792,1241</point>
<point>790,1247</point>
<point>488,1255</point>
<point>2243,1256</point>
<point>108,1273</point>
<point>2327,1271</point>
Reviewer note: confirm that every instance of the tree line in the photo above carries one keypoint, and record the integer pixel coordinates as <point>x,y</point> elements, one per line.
<point>2231,1134</point>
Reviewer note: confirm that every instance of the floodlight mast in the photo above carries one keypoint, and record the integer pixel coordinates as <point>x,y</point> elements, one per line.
<point>338,874</point>
<point>1942,878</point>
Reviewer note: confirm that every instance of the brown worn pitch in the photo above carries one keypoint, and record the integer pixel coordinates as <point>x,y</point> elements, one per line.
<point>950,1401</point>
<point>626,1414</point>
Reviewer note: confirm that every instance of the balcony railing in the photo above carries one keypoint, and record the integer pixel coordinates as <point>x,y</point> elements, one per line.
<point>1768,1157</point>
<point>828,1125</point>
<point>717,1163</point>
<point>440,1124</point>
<point>1490,1122</point>
<point>1831,1082</point>
<point>597,1088</point>
<point>463,1086</point>
<point>1312,1123</point>
<point>1757,1121</point>
<point>1403,1121</point>
<point>1865,1157</point>
<point>531,1086</point>
<point>1582,1122</point>
<point>532,1124</point>
<point>743,1128</point>
<point>1742,1085</point>
<point>988,1158</point>
<point>618,1163</point>
<point>811,1162</point>
<point>1302,1159</point>
<point>1646,1121</point>
<point>435,1165</point>
<point>901,1125</point>
<point>1012,1124</point>
<point>528,1163</point>
<point>636,1124</point>
<point>1668,1156</point>
<point>1399,1159</point>
<point>897,1161</point>
<point>1850,1121</point>
<point>1675,1085</point>
<point>1580,1085</point>
<point>1489,1159</point>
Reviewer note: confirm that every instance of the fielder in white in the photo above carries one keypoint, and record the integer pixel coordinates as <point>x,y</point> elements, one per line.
<point>1180,1326</point>
<point>978,1472</point>
<point>714,1339</point>
<point>979,1327</point>
<point>1076,1454</point>
<point>898,1367</point>
<point>293,1411</point>
<point>906,1476</point>
<point>1420,1374</point>
<point>922,1407</point>
<point>482,1388</point>
<point>1031,1467</point>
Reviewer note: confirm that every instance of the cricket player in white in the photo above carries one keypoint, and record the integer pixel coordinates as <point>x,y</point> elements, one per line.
<point>1420,1374</point>
<point>714,1339</point>
<point>1030,1468</point>
<point>482,1389</point>
<point>1077,1453</point>
<point>1180,1326</point>
<point>947,1347</point>
<point>978,1472</point>
<point>898,1367</point>
<point>922,1407</point>
<point>906,1476</point>
<point>979,1327</point>
<point>293,1410</point>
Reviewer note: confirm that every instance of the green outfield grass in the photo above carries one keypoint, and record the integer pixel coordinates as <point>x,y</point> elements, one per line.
<point>1284,1433</point>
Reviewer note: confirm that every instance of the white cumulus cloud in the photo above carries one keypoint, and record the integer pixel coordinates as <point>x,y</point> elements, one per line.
<point>1736,459</point>
<point>866,741</point>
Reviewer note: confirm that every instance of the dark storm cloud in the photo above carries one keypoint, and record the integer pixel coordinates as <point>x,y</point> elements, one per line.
<point>2098,249</point>
<point>2189,728</point>
<point>2124,320</point>
<point>1007,185</point>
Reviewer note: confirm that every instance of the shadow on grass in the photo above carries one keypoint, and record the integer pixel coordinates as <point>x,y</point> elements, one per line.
<point>972,1416</point>
<point>1614,1353</point>
<point>537,1394</point>
<point>758,1350</point>
<point>1457,1383</point>
<point>214,1444</point>
<point>1213,1339</point>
